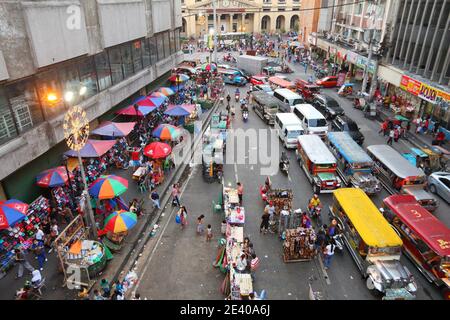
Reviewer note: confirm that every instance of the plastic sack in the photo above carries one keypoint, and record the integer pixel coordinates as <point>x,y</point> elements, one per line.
<point>177,219</point>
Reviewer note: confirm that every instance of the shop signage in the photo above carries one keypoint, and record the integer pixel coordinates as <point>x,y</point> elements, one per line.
<point>423,90</point>
<point>360,61</point>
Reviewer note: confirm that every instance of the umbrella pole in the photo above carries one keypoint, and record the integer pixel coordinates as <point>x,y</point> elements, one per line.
<point>88,199</point>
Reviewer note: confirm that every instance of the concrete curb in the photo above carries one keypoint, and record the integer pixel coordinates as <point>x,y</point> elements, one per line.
<point>138,245</point>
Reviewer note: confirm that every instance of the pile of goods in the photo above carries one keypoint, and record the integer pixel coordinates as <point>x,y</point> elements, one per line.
<point>299,245</point>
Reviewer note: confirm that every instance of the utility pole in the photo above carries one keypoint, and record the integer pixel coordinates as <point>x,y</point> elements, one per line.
<point>366,67</point>
<point>215,30</point>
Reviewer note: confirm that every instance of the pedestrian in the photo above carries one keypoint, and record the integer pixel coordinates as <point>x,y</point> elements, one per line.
<point>66,214</point>
<point>320,239</point>
<point>39,236</point>
<point>241,263</point>
<point>39,250</point>
<point>436,126</point>
<point>396,134</point>
<point>240,192</point>
<point>97,295</point>
<point>391,136</point>
<point>175,195</point>
<point>332,229</point>
<point>223,227</point>
<point>418,123</point>
<point>328,254</point>
<point>106,287</point>
<point>270,209</point>
<point>254,264</point>
<point>440,138</point>
<point>383,128</point>
<point>154,196</point>
<point>182,213</point>
<point>137,296</point>
<point>264,222</point>
<point>209,234</point>
<point>306,221</point>
<point>284,216</point>
<point>200,227</point>
<point>425,125</point>
<point>22,262</point>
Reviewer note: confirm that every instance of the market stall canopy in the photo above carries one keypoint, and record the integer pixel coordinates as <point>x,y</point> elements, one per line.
<point>166,132</point>
<point>158,101</point>
<point>120,221</point>
<point>157,150</point>
<point>108,187</point>
<point>179,78</point>
<point>166,91</point>
<point>117,202</point>
<point>52,177</point>
<point>180,110</point>
<point>131,111</point>
<point>158,95</point>
<point>114,129</point>
<point>93,149</point>
<point>11,212</point>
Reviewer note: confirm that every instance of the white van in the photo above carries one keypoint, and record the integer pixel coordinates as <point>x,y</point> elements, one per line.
<point>288,128</point>
<point>289,97</point>
<point>312,120</point>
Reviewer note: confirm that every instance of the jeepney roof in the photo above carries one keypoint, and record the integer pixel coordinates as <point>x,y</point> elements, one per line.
<point>393,160</point>
<point>370,224</point>
<point>315,149</point>
<point>350,150</point>
<point>419,193</point>
<point>265,99</point>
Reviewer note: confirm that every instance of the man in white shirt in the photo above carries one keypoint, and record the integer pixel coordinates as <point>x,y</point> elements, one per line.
<point>284,219</point>
<point>39,235</point>
<point>241,263</point>
<point>328,254</point>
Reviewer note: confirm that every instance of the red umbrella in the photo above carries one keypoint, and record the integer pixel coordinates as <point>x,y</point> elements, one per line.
<point>157,150</point>
<point>52,177</point>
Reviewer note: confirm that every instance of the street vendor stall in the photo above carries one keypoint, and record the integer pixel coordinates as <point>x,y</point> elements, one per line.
<point>299,245</point>
<point>116,228</point>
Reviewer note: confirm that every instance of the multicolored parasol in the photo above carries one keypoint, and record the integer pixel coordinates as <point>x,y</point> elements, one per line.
<point>11,212</point>
<point>114,129</point>
<point>208,67</point>
<point>166,132</point>
<point>93,149</point>
<point>166,91</point>
<point>157,150</point>
<point>108,187</point>
<point>158,101</point>
<point>180,110</point>
<point>120,221</point>
<point>157,94</point>
<point>179,78</point>
<point>52,177</point>
<point>131,111</point>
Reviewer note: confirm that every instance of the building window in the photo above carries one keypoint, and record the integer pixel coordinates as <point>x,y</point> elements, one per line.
<point>137,55</point>
<point>172,42</point>
<point>88,78</point>
<point>25,105</point>
<point>115,61</point>
<point>7,126</point>
<point>103,70</point>
<point>70,81</point>
<point>166,44</point>
<point>127,59</point>
<point>153,49</point>
<point>50,93</point>
<point>146,60</point>
<point>160,46</point>
<point>177,40</point>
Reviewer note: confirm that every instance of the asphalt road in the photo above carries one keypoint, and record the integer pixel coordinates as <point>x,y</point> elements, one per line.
<point>180,267</point>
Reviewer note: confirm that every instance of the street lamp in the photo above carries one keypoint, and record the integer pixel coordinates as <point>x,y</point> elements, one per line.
<point>76,131</point>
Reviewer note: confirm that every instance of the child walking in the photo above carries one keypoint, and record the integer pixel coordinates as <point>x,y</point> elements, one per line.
<point>200,227</point>
<point>209,234</point>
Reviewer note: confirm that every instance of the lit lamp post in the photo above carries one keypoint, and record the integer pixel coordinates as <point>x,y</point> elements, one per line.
<point>76,131</point>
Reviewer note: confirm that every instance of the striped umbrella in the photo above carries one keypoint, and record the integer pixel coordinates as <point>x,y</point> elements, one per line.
<point>166,91</point>
<point>11,212</point>
<point>120,221</point>
<point>52,177</point>
<point>108,187</point>
<point>166,132</point>
<point>158,101</point>
<point>131,111</point>
<point>179,78</point>
<point>157,94</point>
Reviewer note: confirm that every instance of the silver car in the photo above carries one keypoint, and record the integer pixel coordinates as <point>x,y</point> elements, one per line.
<point>439,183</point>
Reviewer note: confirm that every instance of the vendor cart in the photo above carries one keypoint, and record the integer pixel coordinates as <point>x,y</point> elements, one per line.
<point>299,245</point>
<point>281,198</point>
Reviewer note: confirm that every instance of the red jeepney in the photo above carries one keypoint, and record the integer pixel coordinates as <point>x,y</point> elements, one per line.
<point>426,240</point>
<point>306,89</point>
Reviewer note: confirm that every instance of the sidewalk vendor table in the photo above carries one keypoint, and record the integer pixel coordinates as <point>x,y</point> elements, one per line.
<point>139,173</point>
<point>91,256</point>
<point>235,215</point>
<point>299,245</point>
<point>230,196</point>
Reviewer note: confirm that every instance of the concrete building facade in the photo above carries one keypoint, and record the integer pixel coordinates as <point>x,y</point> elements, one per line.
<point>113,49</point>
<point>309,18</point>
<point>240,16</point>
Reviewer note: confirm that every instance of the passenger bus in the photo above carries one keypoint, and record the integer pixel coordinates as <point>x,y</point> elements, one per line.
<point>426,240</point>
<point>318,163</point>
<point>353,164</point>
<point>398,175</point>
<point>373,244</point>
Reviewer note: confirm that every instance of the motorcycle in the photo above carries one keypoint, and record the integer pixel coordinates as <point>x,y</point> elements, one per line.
<point>338,241</point>
<point>284,166</point>
<point>315,214</point>
<point>237,96</point>
<point>245,116</point>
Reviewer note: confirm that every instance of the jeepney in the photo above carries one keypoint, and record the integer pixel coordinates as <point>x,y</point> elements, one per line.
<point>426,240</point>
<point>265,106</point>
<point>354,165</point>
<point>318,163</point>
<point>398,175</point>
<point>373,244</point>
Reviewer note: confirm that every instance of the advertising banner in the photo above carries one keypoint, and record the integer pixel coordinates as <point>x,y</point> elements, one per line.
<point>423,90</point>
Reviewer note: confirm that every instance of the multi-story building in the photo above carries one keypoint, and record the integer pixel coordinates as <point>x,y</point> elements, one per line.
<point>415,36</point>
<point>309,18</point>
<point>105,52</point>
<point>240,16</point>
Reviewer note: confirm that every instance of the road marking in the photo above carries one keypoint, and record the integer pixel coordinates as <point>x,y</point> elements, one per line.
<point>325,274</point>
<point>236,173</point>
<point>289,178</point>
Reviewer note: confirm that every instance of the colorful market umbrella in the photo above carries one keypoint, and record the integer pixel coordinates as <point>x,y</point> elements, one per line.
<point>208,67</point>
<point>52,177</point>
<point>120,221</point>
<point>180,110</point>
<point>158,101</point>
<point>108,187</point>
<point>146,102</point>
<point>131,111</point>
<point>11,212</point>
<point>179,78</point>
<point>157,94</point>
<point>166,91</point>
<point>166,132</point>
<point>157,150</point>
<point>93,149</point>
<point>114,129</point>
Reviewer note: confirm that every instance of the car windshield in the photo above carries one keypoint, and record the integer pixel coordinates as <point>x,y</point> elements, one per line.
<point>293,134</point>
<point>297,101</point>
<point>351,126</point>
<point>266,88</point>
<point>333,104</point>
<point>317,123</point>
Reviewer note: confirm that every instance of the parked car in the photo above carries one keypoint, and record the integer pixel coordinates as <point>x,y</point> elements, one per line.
<point>439,183</point>
<point>242,73</point>
<point>264,87</point>
<point>327,82</point>
<point>327,106</point>
<point>255,80</point>
<point>344,123</point>
<point>234,79</point>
